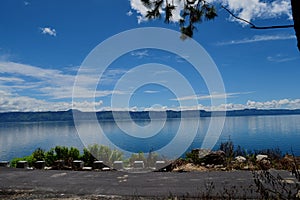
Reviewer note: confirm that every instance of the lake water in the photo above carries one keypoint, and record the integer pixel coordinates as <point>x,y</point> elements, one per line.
<point>253,132</point>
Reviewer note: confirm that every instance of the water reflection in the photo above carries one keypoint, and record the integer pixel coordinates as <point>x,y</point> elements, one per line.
<point>259,132</point>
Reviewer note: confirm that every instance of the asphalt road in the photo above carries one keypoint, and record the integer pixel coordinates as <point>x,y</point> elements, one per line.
<point>62,184</point>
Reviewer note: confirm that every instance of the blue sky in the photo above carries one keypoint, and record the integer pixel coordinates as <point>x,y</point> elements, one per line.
<point>43,44</point>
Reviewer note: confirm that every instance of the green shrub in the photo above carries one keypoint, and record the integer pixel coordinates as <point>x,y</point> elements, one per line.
<point>193,157</point>
<point>29,159</point>
<point>228,148</point>
<point>137,157</point>
<point>39,154</point>
<point>50,157</point>
<point>62,153</point>
<point>101,152</point>
<point>74,153</point>
<point>87,157</point>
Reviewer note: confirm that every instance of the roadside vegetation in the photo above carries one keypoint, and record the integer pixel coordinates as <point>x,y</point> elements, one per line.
<point>67,155</point>
<point>227,157</point>
<point>267,183</point>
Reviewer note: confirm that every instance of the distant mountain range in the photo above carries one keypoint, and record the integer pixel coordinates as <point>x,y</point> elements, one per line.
<point>136,115</point>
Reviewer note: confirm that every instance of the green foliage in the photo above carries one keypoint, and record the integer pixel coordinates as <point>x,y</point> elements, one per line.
<point>194,11</point>
<point>239,151</point>
<point>74,153</point>
<point>39,154</point>
<point>193,157</point>
<point>62,153</point>
<point>101,152</point>
<point>57,153</point>
<point>87,157</point>
<point>137,157</point>
<point>228,148</point>
<point>29,159</point>
<point>152,158</point>
<point>50,157</point>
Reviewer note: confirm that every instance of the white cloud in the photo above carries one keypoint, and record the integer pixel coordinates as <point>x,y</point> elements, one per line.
<point>129,13</point>
<point>246,9</point>
<point>283,103</point>
<point>26,3</point>
<point>141,10</point>
<point>53,84</point>
<point>11,79</point>
<point>140,54</point>
<point>156,107</point>
<point>87,106</point>
<point>138,6</point>
<point>33,79</point>
<point>151,91</point>
<point>273,104</point>
<point>281,58</point>
<point>258,38</point>
<point>253,9</point>
<point>48,31</point>
<point>15,103</point>
<point>211,96</point>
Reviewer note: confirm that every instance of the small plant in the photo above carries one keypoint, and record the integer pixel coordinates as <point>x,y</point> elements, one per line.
<point>88,157</point>
<point>228,148</point>
<point>270,186</point>
<point>39,154</point>
<point>137,157</point>
<point>193,157</point>
<point>103,153</point>
<point>50,157</point>
<point>29,159</point>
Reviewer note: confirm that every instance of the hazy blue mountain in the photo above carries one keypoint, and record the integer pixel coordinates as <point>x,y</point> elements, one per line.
<point>138,115</point>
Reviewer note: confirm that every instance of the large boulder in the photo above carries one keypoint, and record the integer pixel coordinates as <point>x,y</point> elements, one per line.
<point>214,158</point>
<point>201,152</point>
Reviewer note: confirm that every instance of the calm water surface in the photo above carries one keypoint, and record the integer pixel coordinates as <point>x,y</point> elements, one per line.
<point>255,132</point>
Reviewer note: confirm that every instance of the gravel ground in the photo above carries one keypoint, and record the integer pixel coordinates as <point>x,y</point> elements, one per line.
<point>22,184</point>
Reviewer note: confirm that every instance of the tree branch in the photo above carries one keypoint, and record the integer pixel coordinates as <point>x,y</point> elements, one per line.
<point>253,25</point>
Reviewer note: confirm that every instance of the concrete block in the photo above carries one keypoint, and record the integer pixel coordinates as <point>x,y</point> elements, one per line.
<point>39,164</point>
<point>59,164</point>
<point>118,165</point>
<point>4,163</point>
<point>138,164</point>
<point>22,164</point>
<point>160,164</point>
<point>98,164</point>
<point>77,164</point>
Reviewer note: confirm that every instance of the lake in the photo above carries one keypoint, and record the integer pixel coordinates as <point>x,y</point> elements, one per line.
<point>251,132</point>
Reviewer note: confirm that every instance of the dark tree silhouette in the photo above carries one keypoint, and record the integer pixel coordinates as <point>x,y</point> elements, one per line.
<point>195,11</point>
<point>296,16</point>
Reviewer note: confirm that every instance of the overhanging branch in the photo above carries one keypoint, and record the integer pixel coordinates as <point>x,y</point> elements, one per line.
<point>253,25</point>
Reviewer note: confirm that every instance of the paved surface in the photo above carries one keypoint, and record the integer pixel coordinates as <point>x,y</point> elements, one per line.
<point>14,182</point>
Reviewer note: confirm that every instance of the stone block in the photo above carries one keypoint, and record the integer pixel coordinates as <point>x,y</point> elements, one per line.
<point>77,165</point>
<point>118,165</point>
<point>4,163</point>
<point>98,164</point>
<point>39,164</point>
<point>160,165</point>
<point>22,164</point>
<point>138,164</point>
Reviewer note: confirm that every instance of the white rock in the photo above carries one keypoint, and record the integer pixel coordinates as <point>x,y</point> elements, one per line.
<point>240,159</point>
<point>261,157</point>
